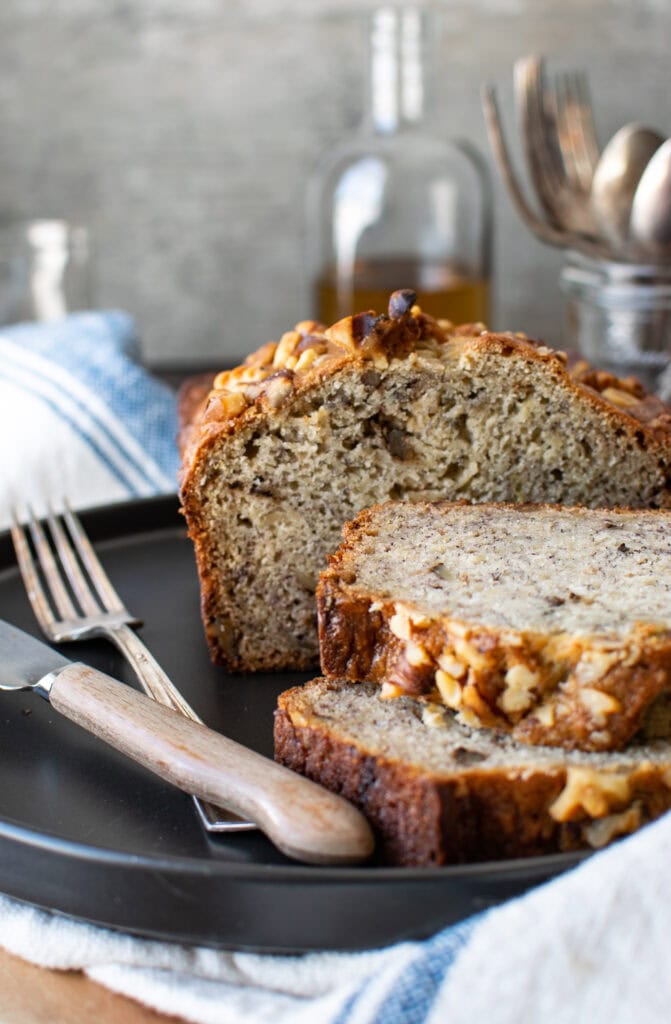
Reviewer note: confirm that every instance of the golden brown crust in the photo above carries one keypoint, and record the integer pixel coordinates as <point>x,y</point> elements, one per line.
<point>626,393</point>
<point>191,399</point>
<point>578,692</point>
<point>426,818</point>
<point>278,371</point>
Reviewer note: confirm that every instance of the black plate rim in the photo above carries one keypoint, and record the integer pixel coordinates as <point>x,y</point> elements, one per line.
<point>287,873</point>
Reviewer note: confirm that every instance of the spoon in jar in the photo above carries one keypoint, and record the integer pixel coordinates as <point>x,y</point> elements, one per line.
<point>616,177</point>
<point>650,224</point>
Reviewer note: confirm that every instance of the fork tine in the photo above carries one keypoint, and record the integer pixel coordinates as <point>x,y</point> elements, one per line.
<point>51,572</point>
<point>544,231</point>
<point>46,590</point>
<point>36,595</point>
<point>560,101</point>
<point>575,128</point>
<point>548,144</point>
<point>586,113</point>
<point>101,581</point>
<point>79,584</point>
<point>543,164</point>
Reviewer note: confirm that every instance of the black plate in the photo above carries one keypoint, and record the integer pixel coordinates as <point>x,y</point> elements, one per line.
<point>86,832</point>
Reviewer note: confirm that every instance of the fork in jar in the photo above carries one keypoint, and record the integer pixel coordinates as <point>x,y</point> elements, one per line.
<point>100,613</point>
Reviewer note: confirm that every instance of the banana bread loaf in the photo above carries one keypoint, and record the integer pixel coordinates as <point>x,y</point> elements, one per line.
<point>551,623</point>
<point>436,791</point>
<point>310,430</point>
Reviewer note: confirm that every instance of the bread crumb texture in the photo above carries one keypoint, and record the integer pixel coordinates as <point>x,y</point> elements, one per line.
<point>439,794</point>
<point>552,623</point>
<point>310,430</point>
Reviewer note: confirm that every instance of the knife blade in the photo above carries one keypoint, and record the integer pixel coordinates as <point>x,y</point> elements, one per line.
<point>25,660</point>
<point>304,820</point>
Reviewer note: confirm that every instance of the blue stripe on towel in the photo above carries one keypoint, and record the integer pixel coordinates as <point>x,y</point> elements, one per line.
<point>413,994</point>
<point>94,348</point>
<point>97,354</point>
<point>411,989</point>
<point>78,415</point>
<point>133,491</point>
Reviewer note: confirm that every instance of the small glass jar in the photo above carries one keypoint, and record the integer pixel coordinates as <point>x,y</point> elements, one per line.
<point>618,316</point>
<point>398,205</point>
<point>44,270</point>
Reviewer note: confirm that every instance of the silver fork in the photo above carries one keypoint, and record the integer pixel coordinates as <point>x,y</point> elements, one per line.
<point>544,231</point>
<point>101,613</point>
<point>576,132</point>
<point>545,123</point>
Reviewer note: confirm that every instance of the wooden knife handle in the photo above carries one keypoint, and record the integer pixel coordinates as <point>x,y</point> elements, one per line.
<point>302,819</point>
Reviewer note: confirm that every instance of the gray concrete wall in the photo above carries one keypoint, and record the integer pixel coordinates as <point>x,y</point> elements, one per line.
<point>183,132</point>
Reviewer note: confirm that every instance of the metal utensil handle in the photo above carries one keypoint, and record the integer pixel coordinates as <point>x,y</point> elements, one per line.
<point>158,685</point>
<point>302,819</point>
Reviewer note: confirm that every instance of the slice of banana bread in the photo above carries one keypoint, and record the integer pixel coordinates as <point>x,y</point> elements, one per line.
<point>551,623</point>
<point>436,791</point>
<point>310,430</point>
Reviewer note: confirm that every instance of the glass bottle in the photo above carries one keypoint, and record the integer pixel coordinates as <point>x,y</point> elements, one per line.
<point>398,205</point>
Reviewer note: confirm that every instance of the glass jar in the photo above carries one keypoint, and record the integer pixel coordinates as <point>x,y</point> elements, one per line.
<point>397,205</point>
<point>44,270</point>
<point>618,316</point>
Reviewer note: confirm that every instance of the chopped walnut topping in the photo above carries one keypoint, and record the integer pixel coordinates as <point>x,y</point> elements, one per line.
<point>589,792</point>
<point>305,359</point>
<point>418,619</point>
<point>545,713</point>
<point>233,403</point>
<point>399,624</point>
<point>452,666</point>
<point>401,302</point>
<point>278,390</point>
<point>468,717</point>
<point>449,689</point>
<point>407,332</point>
<point>598,703</point>
<point>599,833</point>
<point>619,397</point>
<point>416,655</point>
<point>433,716</point>
<point>403,619</point>
<point>285,349</point>
<point>310,345</point>
<point>307,327</point>
<point>471,699</point>
<point>519,682</point>
<point>595,664</point>
<point>626,393</point>
<point>388,691</point>
<point>263,356</point>
<point>349,332</point>
<point>467,652</point>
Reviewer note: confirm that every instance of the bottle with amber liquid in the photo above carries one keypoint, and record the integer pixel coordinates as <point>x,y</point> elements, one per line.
<point>398,205</point>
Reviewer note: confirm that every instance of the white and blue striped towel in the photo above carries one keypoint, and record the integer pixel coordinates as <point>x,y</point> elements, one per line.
<point>591,947</point>
<point>79,416</point>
